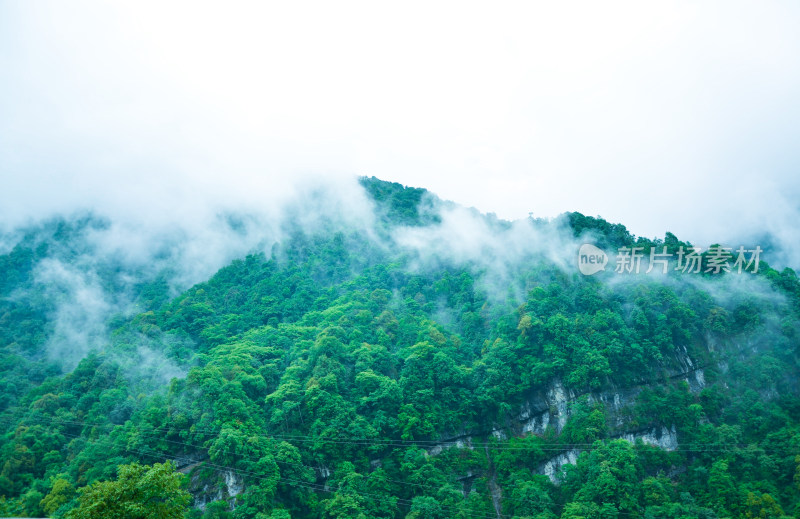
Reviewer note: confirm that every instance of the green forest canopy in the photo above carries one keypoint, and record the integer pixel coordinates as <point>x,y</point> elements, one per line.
<point>339,376</point>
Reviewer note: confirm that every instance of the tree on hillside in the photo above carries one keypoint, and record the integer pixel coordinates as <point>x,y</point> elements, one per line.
<point>139,492</point>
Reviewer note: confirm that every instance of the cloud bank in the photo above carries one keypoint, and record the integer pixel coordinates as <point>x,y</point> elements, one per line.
<point>194,131</point>
<point>675,117</point>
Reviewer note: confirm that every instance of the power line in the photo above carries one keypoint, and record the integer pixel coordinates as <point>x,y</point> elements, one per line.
<point>711,447</point>
<point>312,486</point>
<point>539,445</point>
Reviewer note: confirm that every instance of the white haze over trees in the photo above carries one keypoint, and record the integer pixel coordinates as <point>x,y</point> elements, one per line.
<point>195,130</point>
<point>85,303</point>
<point>673,117</point>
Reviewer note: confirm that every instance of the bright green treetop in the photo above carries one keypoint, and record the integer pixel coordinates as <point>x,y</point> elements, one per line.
<point>139,492</point>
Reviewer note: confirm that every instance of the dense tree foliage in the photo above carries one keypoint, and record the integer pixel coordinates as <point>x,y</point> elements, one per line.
<point>139,492</point>
<point>338,375</point>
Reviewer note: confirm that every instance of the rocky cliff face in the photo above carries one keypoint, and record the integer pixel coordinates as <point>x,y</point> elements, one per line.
<point>551,408</point>
<point>220,485</point>
<point>664,438</point>
<point>547,408</point>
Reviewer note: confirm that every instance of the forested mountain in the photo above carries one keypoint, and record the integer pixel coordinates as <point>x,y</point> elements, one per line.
<point>418,360</point>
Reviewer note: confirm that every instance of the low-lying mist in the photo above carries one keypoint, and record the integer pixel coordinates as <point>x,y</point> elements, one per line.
<point>98,259</point>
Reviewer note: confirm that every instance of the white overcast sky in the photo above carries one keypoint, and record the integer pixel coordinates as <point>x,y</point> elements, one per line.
<point>679,116</point>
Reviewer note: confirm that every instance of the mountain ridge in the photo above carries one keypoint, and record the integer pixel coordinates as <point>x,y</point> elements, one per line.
<point>356,344</point>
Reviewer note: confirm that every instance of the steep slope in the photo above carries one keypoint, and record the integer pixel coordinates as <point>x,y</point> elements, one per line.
<point>429,362</point>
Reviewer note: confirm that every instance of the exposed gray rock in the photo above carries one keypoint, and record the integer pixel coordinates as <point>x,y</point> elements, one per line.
<point>460,443</point>
<point>664,438</point>
<point>553,465</point>
<point>225,486</point>
<point>233,483</point>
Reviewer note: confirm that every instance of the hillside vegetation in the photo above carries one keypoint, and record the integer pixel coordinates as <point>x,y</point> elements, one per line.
<point>400,369</point>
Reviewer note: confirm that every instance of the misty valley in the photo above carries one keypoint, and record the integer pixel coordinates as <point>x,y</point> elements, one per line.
<point>368,350</point>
